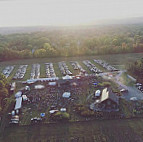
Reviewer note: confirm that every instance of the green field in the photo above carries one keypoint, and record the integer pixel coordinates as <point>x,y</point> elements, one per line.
<point>116,59</point>
<point>94,131</point>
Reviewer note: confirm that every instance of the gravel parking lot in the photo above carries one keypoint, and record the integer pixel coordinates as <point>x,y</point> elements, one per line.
<point>133,92</point>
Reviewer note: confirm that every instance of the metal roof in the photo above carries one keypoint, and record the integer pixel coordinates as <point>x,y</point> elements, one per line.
<point>108,94</point>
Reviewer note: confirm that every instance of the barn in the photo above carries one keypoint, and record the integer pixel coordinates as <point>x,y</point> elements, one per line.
<point>108,101</point>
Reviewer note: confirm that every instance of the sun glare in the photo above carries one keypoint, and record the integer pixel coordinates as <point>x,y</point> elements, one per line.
<point>65,12</point>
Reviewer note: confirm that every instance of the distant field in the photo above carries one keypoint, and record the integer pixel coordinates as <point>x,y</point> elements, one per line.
<point>118,60</point>
<point>95,131</point>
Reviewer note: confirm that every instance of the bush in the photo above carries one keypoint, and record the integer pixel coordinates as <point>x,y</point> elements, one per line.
<point>105,84</point>
<point>61,116</point>
<point>87,113</point>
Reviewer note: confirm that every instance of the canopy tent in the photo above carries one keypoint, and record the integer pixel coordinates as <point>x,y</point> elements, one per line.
<point>18,103</point>
<point>39,87</point>
<point>13,85</point>
<point>42,114</point>
<point>24,97</point>
<point>67,77</point>
<point>18,94</point>
<point>42,79</point>
<point>63,109</point>
<point>52,83</point>
<point>53,111</point>
<point>31,81</point>
<point>66,94</point>
<point>133,99</point>
<point>97,93</point>
<point>27,88</point>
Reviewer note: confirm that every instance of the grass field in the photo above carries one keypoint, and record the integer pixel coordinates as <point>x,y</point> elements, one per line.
<point>126,80</point>
<point>95,131</point>
<point>116,59</point>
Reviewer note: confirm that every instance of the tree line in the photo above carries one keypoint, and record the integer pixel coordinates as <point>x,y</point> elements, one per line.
<point>72,42</point>
<point>136,69</point>
<point>4,91</point>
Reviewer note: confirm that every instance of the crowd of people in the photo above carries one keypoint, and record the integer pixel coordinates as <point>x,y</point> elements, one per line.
<point>52,95</point>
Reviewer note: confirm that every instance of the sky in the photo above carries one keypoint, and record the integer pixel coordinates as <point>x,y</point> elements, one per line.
<point>65,12</point>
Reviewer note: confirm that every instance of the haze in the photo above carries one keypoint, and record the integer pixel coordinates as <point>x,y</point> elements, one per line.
<point>65,12</point>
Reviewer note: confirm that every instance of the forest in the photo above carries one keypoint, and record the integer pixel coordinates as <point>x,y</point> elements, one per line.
<point>136,69</point>
<point>72,41</point>
<point>4,92</point>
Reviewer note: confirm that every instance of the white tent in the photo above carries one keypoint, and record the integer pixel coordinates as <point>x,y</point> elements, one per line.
<point>39,87</point>
<point>52,83</point>
<point>18,94</point>
<point>18,103</point>
<point>31,81</point>
<point>42,79</point>
<point>66,94</point>
<point>63,109</point>
<point>97,93</point>
<point>67,77</point>
<point>13,85</point>
<point>27,88</point>
<point>24,97</point>
<point>133,99</point>
<point>53,111</point>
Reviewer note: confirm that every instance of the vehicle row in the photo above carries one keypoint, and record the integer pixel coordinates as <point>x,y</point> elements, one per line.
<point>105,65</point>
<point>50,70</point>
<point>35,72</point>
<point>92,67</point>
<point>77,66</point>
<point>140,86</point>
<point>7,71</point>
<point>20,72</point>
<point>64,68</point>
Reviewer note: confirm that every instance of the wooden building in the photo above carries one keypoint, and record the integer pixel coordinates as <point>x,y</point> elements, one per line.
<point>108,101</point>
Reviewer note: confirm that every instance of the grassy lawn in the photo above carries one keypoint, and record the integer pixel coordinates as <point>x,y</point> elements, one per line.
<point>13,72</point>
<point>98,131</point>
<point>121,67</point>
<point>113,59</point>
<point>126,80</point>
<point>1,68</point>
<point>57,70</point>
<point>27,74</point>
<point>125,108</point>
<point>42,70</point>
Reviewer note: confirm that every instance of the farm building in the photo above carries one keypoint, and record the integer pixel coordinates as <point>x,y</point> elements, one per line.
<point>108,101</point>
